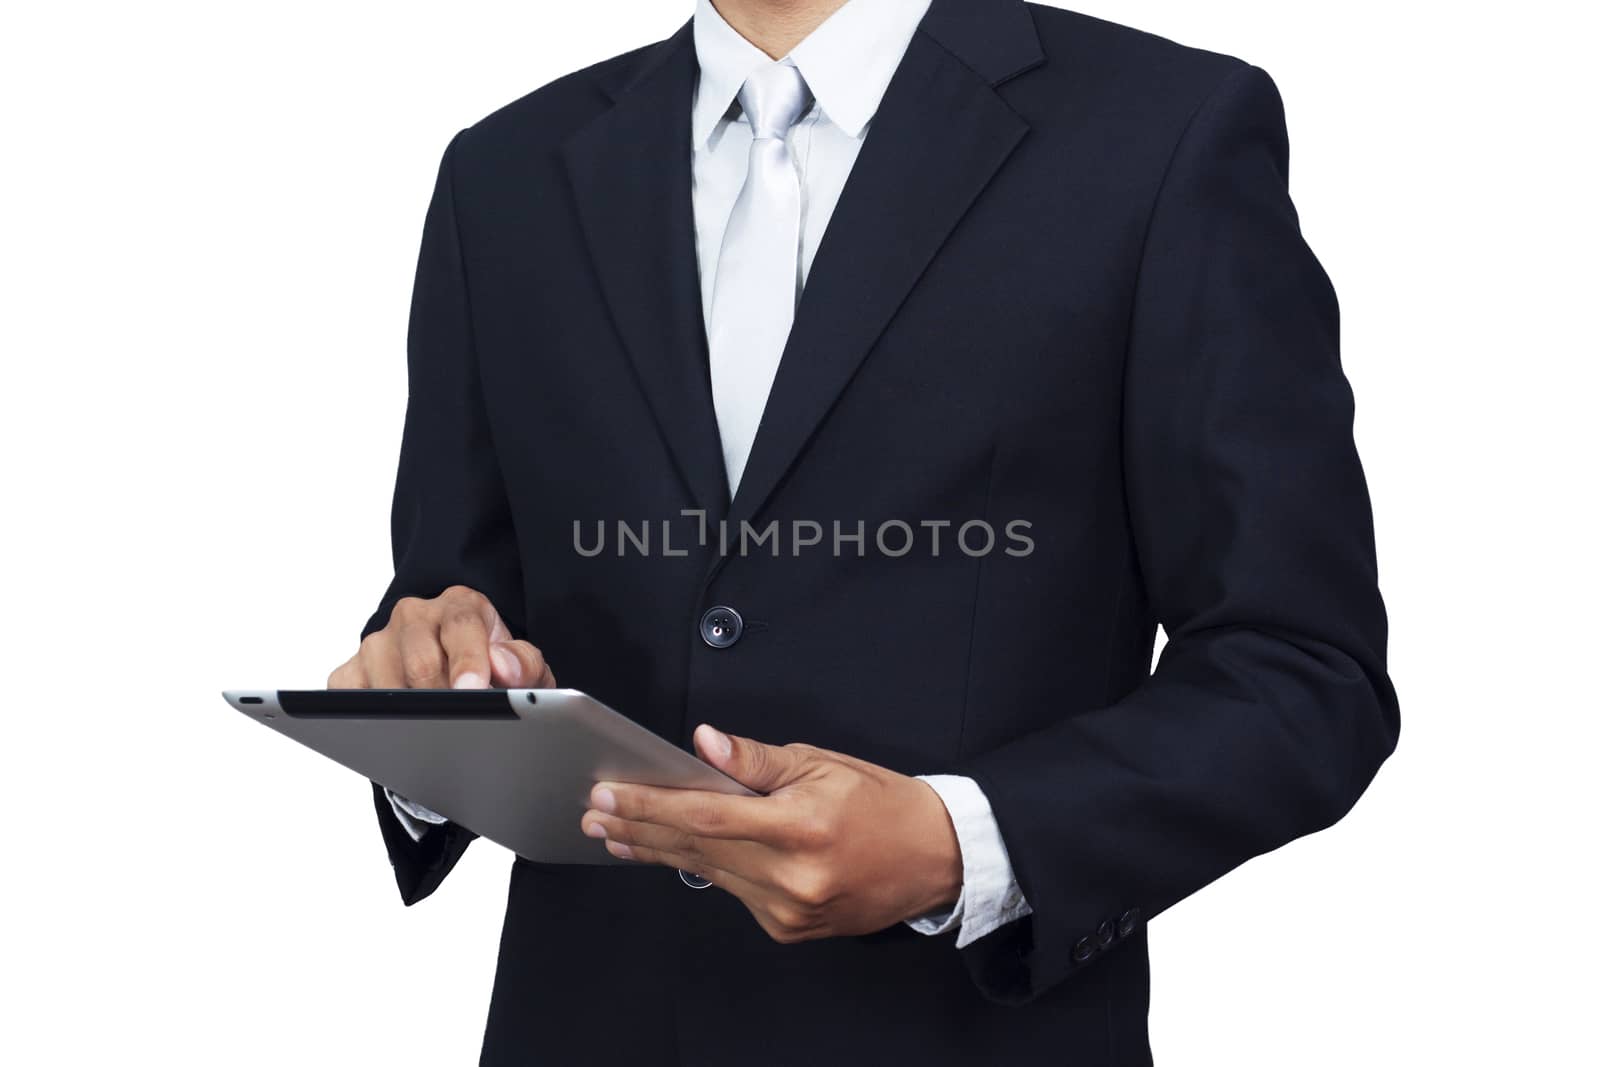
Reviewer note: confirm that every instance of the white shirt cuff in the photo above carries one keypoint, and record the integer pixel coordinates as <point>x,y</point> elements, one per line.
<point>990,896</point>
<point>413,816</point>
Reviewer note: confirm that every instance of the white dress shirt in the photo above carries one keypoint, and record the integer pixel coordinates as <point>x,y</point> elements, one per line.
<point>847,63</point>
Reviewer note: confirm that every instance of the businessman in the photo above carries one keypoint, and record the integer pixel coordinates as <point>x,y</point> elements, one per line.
<point>848,391</point>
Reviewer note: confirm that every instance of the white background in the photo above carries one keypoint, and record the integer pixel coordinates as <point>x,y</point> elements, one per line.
<point>210,219</point>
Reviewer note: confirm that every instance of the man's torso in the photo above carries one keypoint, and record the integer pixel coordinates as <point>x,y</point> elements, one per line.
<point>956,362</point>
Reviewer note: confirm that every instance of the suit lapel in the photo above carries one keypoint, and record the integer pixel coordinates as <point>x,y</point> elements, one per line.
<point>940,134</point>
<point>630,173</point>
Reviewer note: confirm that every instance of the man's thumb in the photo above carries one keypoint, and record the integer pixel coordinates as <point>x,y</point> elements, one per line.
<point>750,763</point>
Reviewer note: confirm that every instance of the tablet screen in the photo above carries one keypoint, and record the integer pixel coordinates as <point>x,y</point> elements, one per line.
<point>395,704</point>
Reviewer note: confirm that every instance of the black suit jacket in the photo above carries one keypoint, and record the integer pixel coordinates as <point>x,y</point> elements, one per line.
<point>1065,284</point>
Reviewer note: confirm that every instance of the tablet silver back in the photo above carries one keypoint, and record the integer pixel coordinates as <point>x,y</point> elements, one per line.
<point>517,772</point>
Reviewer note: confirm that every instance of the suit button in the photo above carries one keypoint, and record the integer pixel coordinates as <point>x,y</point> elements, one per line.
<point>693,881</point>
<point>1128,923</point>
<point>720,627</point>
<point>1083,950</point>
<point>1106,934</point>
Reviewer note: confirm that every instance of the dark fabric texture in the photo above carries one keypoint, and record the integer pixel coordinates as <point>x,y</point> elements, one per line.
<point>1065,286</point>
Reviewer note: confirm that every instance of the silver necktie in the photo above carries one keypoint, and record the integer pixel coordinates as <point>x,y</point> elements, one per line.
<point>758,268</point>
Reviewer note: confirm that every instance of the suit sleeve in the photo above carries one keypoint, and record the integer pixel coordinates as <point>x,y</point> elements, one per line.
<point>450,522</point>
<point>1271,708</point>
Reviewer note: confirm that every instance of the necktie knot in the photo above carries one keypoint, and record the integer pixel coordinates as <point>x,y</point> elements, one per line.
<point>773,98</point>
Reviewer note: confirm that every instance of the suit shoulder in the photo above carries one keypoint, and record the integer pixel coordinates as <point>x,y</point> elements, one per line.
<point>1133,61</point>
<point>546,115</point>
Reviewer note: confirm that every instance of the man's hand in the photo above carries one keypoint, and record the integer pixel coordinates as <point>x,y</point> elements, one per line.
<point>838,846</point>
<point>454,641</point>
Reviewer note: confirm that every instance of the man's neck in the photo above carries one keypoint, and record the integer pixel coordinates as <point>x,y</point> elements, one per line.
<point>776,26</point>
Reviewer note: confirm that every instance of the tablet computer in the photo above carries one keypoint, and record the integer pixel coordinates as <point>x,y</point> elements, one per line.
<point>514,766</point>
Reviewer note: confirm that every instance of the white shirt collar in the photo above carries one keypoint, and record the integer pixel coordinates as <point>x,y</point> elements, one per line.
<point>847,61</point>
